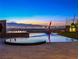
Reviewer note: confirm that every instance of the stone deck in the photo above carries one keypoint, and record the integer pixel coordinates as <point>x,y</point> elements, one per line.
<point>43,51</point>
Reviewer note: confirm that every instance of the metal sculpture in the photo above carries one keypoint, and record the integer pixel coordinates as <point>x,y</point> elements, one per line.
<point>49,31</point>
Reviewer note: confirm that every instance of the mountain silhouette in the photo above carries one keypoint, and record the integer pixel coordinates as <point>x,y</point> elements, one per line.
<point>20,25</point>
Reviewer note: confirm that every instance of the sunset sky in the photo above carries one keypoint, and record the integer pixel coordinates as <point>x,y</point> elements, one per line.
<point>38,11</point>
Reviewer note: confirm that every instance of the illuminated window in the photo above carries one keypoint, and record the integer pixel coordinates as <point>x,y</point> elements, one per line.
<point>72,29</point>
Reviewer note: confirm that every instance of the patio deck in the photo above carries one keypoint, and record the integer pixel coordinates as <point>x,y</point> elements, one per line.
<point>43,51</point>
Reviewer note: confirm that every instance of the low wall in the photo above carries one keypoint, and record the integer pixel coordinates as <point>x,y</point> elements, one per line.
<point>10,35</point>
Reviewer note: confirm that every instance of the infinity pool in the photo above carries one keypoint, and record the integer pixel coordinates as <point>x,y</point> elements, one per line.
<point>41,37</point>
<point>54,37</point>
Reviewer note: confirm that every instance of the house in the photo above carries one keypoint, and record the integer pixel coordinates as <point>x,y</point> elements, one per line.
<point>73,27</point>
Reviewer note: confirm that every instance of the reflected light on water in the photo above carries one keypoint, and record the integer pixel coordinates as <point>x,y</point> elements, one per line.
<point>39,37</point>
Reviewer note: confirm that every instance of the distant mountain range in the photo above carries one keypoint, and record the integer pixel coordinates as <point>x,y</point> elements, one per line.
<point>30,26</point>
<point>20,25</point>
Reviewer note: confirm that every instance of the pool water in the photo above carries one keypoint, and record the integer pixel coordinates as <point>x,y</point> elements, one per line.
<point>41,37</point>
<point>54,37</point>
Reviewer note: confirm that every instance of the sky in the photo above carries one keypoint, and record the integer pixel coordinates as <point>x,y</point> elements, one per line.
<point>38,11</point>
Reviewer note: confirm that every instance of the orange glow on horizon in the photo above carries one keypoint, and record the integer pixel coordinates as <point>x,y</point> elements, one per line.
<point>40,20</point>
<point>42,23</point>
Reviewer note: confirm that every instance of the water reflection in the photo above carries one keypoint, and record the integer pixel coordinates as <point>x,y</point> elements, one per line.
<point>54,37</point>
<point>42,37</point>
